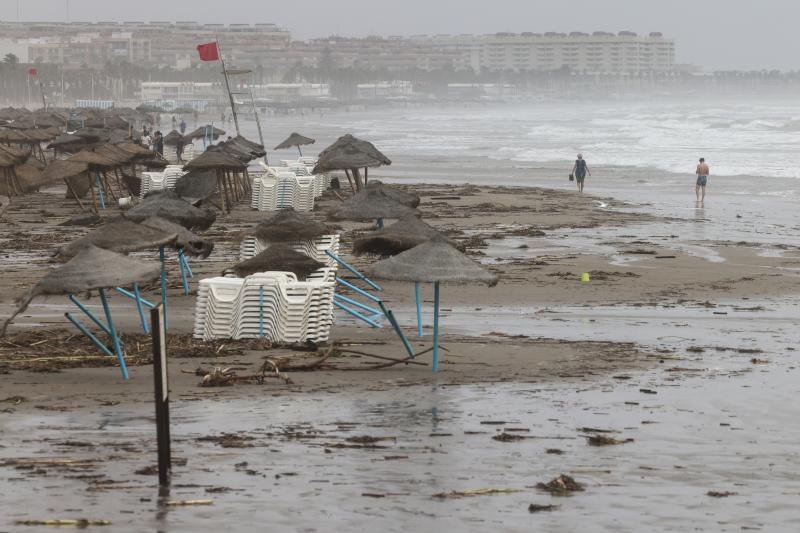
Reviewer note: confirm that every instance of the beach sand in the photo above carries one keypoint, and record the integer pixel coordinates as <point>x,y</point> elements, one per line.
<point>539,241</point>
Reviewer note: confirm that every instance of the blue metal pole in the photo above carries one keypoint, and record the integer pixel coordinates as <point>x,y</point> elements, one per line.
<point>100,191</point>
<point>261,311</point>
<point>436,326</point>
<point>359,291</point>
<point>397,329</point>
<point>419,309</point>
<point>163,284</point>
<point>357,304</point>
<point>88,333</point>
<point>355,272</point>
<point>356,314</point>
<point>186,263</point>
<point>133,297</point>
<point>89,314</point>
<point>139,307</point>
<point>114,337</point>
<point>183,277</point>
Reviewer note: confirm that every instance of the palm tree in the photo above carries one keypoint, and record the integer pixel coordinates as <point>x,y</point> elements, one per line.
<point>10,59</point>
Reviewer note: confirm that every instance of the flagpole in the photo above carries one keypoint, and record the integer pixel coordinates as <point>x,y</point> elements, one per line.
<point>228,88</point>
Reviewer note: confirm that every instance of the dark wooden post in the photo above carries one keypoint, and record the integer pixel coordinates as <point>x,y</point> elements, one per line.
<point>161,382</point>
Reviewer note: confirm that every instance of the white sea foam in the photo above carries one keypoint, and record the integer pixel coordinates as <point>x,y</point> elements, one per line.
<point>759,138</point>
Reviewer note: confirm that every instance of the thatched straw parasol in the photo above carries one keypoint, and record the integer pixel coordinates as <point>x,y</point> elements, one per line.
<point>200,132</point>
<point>196,185</point>
<point>370,204</point>
<point>281,258</point>
<point>93,159</point>
<point>287,225</point>
<point>402,197</point>
<point>121,235</point>
<point>435,261</point>
<point>350,154</point>
<point>188,241</point>
<point>29,176</point>
<point>214,159</point>
<point>232,181</point>
<point>174,138</point>
<point>93,268</point>
<point>168,205</point>
<point>406,233</point>
<point>295,139</point>
<point>17,155</point>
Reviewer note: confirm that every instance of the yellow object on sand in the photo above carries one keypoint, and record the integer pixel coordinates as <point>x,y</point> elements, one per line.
<point>585,277</point>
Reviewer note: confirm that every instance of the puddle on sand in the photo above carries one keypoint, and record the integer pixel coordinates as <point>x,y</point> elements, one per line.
<point>722,423</point>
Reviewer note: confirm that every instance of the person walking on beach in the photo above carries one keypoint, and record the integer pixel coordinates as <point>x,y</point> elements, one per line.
<point>579,170</point>
<point>183,126</point>
<point>702,179</point>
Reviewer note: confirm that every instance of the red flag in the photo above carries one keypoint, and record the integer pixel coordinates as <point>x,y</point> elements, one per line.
<point>208,52</point>
<point>33,72</point>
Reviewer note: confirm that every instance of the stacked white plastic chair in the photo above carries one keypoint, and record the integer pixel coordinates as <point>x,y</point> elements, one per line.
<point>272,305</point>
<point>159,181</point>
<point>315,249</point>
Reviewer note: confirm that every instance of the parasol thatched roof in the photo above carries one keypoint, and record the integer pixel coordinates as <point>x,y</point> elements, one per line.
<point>199,133</point>
<point>93,159</point>
<point>405,198</point>
<point>168,205</point>
<point>173,138</point>
<point>349,152</point>
<point>92,268</point>
<point>67,140</point>
<point>191,243</point>
<point>433,261</point>
<point>29,176</point>
<point>370,204</point>
<point>196,185</point>
<point>406,233</point>
<point>17,155</point>
<point>287,225</point>
<point>295,139</point>
<point>145,108</point>
<point>121,235</point>
<point>214,159</point>
<point>280,258</point>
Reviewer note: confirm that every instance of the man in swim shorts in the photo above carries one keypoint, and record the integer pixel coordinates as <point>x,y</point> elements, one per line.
<point>702,179</point>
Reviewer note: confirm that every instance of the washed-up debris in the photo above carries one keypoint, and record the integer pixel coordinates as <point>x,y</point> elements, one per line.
<point>535,508</point>
<point>720,494</point>
<point>561,486</point>
<point>185,503</point>
<point>554,451</point>
<point>757,361</point>
<point>647,391</point>
<point>493,422</point>
<point>366,439</point>
<point>13,400</point>
<point>229,440</point>
<point>79,523</point>
<point>473,492</point>
<point>596,430</point>
<point>603,440</point>
<point>508,437</point>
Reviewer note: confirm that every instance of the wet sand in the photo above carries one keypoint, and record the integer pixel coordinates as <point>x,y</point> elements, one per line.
<point>672,343</point>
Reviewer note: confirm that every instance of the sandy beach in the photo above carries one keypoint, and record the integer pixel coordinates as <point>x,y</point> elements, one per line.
<point>686,321</point>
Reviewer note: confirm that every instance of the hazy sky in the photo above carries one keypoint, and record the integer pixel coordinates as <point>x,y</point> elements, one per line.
<point>716,34</point>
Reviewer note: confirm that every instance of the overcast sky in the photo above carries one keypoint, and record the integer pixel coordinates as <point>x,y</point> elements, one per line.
<point>715,34</point>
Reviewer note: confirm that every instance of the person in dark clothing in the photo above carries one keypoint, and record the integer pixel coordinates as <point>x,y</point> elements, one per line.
<point>158,143</point>
<point>579,170</point>
<point>183,126</point>
<point>179,148</point>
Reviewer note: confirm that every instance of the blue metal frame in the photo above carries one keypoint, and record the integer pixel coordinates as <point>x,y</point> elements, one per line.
<point>355,272</point>
<point>356,314</point>
<point>399,331</point>
<point>362,292</point>
<point>100,190</point>
<point>163,284</point>
<point>419,308</point>
<point>88,333</point>
<point>358,304</point>
<point>114,337</point>
<point>109,329</point>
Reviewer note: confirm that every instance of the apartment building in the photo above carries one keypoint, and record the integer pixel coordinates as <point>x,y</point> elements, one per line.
<point>596,53</point>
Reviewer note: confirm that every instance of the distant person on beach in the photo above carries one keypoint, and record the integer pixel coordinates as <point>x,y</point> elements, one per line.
<point>702,179</point>
<point>158,143</point>
<point>183,126</point>
<point>174,122</point>
<point>579,170</point>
